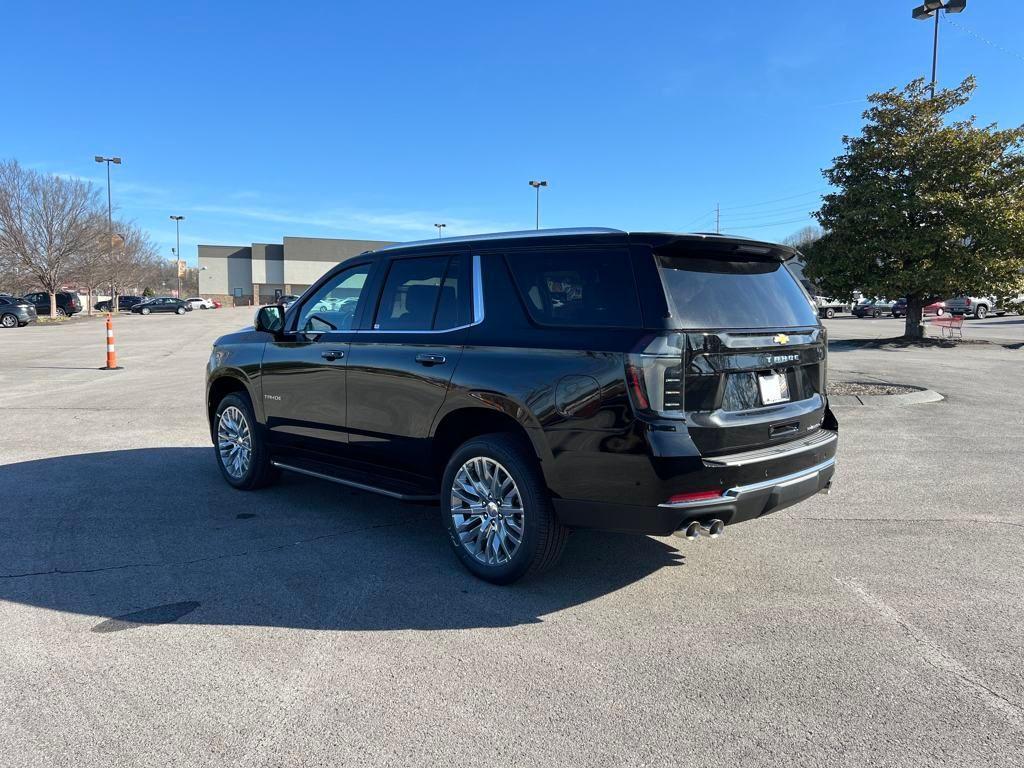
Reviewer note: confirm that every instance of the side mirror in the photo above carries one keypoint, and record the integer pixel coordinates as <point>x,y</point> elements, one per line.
<point>270,319</point>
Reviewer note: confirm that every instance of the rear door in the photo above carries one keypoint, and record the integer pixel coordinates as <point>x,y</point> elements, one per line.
<point>752,372</point>
<point>401,362</point>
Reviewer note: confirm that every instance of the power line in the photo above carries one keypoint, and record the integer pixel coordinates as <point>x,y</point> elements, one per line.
<point>774,223</point>
<point>768,202</point>
<point>773,213</point>
<point>985,40</point>
<point>699,218</point>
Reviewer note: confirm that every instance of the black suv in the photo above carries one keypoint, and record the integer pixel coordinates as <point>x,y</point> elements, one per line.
<point>533,382</point>
<point>67,303</point>
<point>124,303</point>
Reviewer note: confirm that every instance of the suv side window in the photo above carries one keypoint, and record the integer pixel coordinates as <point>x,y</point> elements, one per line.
<point>333,307</point>
<point>578,287</point>
<point>423,294</point>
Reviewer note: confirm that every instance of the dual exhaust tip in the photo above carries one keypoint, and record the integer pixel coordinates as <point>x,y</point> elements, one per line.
<point>712,529</point>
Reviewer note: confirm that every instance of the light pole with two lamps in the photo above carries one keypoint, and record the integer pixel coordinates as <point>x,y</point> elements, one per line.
<point>110,215</point>
<point>177,251</point>
<point>439,228</point>
<point>537,185</point>
<point>933,8</point>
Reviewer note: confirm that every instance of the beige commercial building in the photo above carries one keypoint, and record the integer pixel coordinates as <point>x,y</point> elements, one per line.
<point>261,272</point>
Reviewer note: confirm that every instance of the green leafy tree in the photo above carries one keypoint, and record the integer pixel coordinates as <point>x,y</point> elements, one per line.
<point>925,206</point>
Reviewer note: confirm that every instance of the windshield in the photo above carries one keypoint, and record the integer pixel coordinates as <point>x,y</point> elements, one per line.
<point>719,293</point>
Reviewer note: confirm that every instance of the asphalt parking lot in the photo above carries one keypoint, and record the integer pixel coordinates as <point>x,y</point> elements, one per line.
<point>151,615</point>
<point>1008,328</point>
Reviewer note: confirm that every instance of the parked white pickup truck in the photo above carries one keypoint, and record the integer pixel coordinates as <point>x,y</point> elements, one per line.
<point>827,307</point>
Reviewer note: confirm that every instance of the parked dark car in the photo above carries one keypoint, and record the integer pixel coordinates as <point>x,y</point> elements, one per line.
<point>873,308</point>
<point>15,312</point>
<point>536,382</point>
<point>162,304</point>
<point>124,303</point>
<point>68,303</point>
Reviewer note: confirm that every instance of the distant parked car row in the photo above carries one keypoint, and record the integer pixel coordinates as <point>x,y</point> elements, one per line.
<point>16,312</point>
<point>170,304</point>
<point>979,308</point>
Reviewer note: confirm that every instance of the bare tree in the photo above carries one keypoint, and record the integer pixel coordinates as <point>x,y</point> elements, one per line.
<point>133,257</point>
<point>91,264</point>
<point>45,222</point>
<point>804,237</point>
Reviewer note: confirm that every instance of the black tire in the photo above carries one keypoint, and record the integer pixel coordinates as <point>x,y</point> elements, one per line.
<point>830,313</point>
<point>543,537</point>
<point>980,312</point>
<point>179,311</point>
<point>9,321</point>
<point>260,471</point>
<point>61,312</point>
<point>877,313</point>
<point>145,310</point>
<point>897,315</point>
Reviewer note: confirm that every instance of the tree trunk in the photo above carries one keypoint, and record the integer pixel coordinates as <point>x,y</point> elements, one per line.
<point>914,328</point>
<point>88,293</point>
<point>53,303</point>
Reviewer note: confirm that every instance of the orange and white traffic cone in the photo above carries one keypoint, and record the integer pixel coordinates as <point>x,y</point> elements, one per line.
<point>111,349</point>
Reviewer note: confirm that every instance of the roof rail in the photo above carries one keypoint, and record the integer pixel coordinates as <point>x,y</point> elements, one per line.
<point>506,236</point>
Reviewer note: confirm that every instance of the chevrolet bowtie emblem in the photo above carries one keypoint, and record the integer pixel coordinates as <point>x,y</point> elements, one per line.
<point>781,339</point>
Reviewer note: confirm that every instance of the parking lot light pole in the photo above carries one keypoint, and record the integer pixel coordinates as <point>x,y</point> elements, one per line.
<point>439,228</point>
<point>537,185</point>
<point>934,8</point>
<point>177,251</point>
<point>110,217</point>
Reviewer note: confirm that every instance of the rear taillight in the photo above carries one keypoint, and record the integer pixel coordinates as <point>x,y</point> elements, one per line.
<point>968,302</point>
<point>654,376</point>
<point>637,390</point>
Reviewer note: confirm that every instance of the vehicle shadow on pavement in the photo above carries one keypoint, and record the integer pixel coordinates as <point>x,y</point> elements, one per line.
<point>152,536</point>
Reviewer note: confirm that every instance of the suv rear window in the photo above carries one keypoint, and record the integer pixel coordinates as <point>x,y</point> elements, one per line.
<point>722,293</point>
<point>578,287</point>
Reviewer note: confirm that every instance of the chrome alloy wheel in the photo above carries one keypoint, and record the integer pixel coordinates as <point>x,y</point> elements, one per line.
<point>234,442</point>
<point>487,511</point>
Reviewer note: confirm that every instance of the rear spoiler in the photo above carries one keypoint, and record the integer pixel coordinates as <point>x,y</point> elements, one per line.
<point>725,248</point>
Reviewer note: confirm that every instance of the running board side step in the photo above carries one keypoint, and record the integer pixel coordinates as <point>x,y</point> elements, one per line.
<point>365,481</point>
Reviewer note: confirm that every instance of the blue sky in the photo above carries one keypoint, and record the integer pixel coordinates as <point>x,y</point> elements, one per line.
<point>375,120</point>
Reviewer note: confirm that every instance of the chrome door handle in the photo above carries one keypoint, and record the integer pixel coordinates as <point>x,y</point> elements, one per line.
<point>332,354</point>
<point>425,359</point>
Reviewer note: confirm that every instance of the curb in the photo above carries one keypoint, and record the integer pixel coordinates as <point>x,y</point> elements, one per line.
<point>880,401</point>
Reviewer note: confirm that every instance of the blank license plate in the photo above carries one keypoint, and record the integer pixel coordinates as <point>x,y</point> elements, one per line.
<point>774,388</point>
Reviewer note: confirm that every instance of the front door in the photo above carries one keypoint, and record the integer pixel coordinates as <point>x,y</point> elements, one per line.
<point>304,372</point>
<point>400,365</point>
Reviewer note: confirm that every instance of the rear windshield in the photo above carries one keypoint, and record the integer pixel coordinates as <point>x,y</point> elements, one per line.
<point>718,293</point>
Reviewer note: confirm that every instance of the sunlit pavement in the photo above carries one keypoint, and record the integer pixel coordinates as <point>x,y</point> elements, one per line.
<point>1009,328</point>
<point>150,615</point>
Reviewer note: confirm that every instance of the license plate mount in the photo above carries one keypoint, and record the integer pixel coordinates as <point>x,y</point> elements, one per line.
<point>774,388</point>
